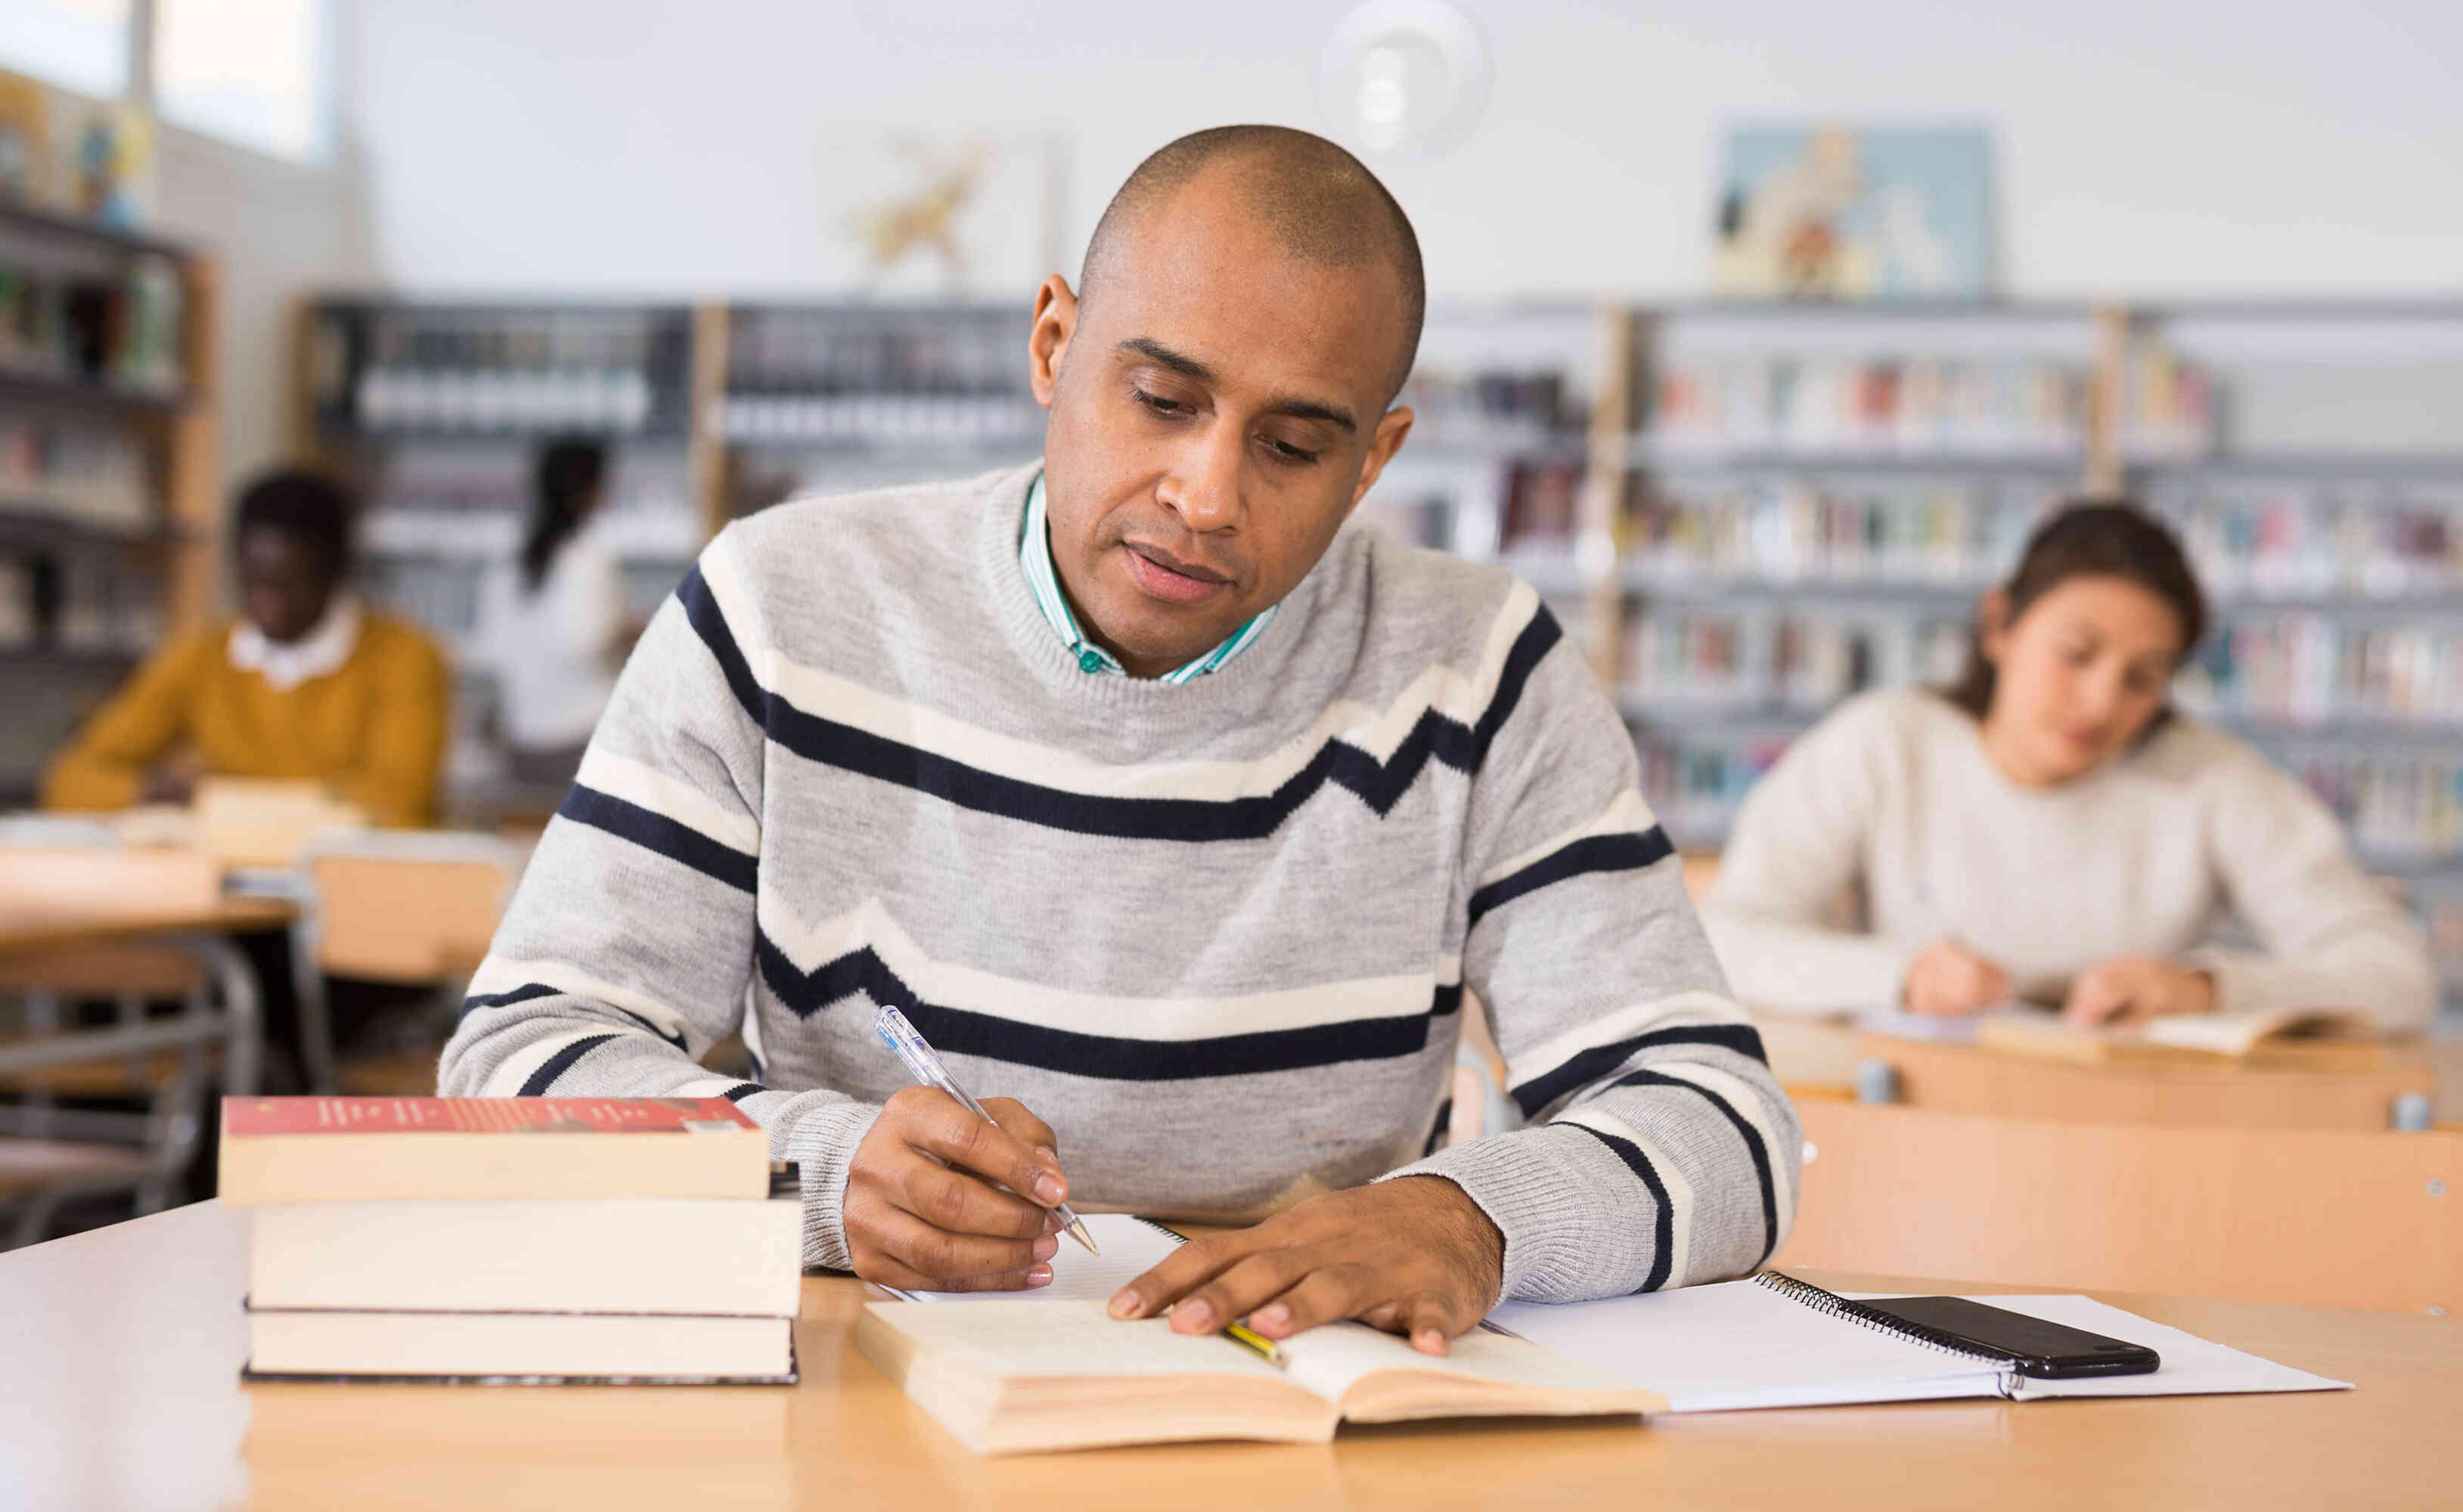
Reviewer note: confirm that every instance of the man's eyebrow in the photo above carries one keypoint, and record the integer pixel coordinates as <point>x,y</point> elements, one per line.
<point>1189,367</point>
<point>1154,351</point>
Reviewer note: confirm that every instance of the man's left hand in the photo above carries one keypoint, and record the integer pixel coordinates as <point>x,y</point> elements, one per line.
<point>1414,1255</point>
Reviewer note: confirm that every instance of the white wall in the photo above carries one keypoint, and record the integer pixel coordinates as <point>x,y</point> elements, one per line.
<point>645,146</point>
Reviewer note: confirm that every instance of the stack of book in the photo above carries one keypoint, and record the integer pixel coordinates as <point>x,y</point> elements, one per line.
<point>514,1239</point>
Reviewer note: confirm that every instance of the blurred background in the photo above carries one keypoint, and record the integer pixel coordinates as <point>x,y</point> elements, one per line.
<point>1763,331</point>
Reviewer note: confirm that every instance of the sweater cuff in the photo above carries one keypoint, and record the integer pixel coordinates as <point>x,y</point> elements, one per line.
<point>1538,1203</point>
<point>822,1144</point>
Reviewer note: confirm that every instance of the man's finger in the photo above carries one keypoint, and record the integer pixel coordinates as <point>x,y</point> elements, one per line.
<point>888,1272</point>
<point>1192,1265</point>
<point>1023,1126</point>
<point>1322,1295</point>
<point>955,1137</point>
<point>1428,1324</point>
<point>943,1256</point>
<point>957,1200</point>
<point>1240,1288</point>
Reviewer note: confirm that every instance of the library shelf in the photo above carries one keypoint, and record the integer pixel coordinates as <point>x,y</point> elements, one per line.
<point>30,524</point>
<point>103,658</point>
<point>90,394</point>
<point>1687,459</point>
<point>49,224</point>
<point>110,467</point>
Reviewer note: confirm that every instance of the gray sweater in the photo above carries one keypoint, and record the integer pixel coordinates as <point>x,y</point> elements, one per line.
<point>1219,936</point>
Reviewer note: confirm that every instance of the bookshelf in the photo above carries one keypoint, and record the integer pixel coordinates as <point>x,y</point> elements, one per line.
<point>434,410</point>
<point>110,499</point>
<point>821,398</point>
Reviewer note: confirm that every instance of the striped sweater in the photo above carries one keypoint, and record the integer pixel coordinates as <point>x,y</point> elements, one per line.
<point>1220,935</point>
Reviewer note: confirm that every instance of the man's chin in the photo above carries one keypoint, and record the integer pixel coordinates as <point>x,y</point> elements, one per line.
<point>1164,646</point>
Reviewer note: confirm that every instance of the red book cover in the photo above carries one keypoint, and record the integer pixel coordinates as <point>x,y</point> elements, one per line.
<point>252,1117</point>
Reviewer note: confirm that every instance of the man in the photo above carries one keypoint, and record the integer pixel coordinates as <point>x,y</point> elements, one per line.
<point>1158,800</point>
<point>304,683</point>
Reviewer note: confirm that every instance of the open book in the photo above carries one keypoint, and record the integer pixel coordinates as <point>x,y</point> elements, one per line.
<point>1009,1377</point>
<point>2021,1028</point>
<point>1050,1369</point>
<point>2174,1037</point>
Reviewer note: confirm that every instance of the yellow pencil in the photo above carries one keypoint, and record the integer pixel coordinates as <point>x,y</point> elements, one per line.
<point>1248,1338</point>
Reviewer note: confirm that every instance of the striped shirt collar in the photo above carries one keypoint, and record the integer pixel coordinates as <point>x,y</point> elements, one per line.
<point>1035,557</point>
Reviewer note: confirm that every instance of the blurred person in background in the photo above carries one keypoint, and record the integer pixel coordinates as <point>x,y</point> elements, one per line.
<point>2049,828</point>
<point>558,626</point>
<point>305,683</point>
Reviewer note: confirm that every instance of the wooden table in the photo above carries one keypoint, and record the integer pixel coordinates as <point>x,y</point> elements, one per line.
<point>101,922</point>
<point>2351,1084</point>
<point>119,1349</point>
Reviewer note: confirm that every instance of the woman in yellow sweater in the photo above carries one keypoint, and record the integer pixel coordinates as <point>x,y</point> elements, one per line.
<point>305,683</point>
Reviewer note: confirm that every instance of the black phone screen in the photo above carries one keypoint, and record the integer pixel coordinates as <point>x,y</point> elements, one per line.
<point>2037,1347</point>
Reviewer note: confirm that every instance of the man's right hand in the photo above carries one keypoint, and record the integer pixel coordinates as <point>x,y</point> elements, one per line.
<point>1949,979</point>
<point>925,1209</point>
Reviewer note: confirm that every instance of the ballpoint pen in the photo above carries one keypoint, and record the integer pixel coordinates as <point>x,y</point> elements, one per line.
<point>923,1064</point>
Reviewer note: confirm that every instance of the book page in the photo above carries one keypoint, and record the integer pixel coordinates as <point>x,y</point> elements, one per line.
<point>1330,1359</point>
<point>1065,1338</point>
<point>1129,1247</point>
<point>2237,1034</point>
<point>1737,1345</point>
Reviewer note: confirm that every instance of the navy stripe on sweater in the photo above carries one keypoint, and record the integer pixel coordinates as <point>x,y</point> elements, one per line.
<point>961,1031</point>
<point>1745,1131</point>
<point>1586,1067</point>
<point>652,831</point>
<point>1379,785</point>
<point>1663,1246</point>
<point>1592,853</point>
<point>556,1065</point>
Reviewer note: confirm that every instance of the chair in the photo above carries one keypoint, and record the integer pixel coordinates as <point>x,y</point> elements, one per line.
<point>405,907</point>
<point>52,1154</point>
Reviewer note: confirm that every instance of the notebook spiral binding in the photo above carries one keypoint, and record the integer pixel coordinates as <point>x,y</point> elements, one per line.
<point>1830,1303</point>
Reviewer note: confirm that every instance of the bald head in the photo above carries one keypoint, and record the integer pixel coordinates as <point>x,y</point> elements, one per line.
<point>1319,203</point>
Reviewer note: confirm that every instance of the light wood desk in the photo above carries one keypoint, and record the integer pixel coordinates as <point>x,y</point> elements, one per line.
<point>102,923</point>
<point>119,1349</point>
<point>2351,1084</point>
<point>63,899</point>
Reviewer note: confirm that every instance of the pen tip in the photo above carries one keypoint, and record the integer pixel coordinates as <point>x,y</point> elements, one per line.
<point>1077,1232</point>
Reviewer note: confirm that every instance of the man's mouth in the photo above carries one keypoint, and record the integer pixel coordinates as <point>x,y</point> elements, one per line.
<point>1168,577</point>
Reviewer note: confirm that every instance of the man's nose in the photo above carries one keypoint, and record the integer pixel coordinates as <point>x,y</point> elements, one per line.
<point>1202,487</point>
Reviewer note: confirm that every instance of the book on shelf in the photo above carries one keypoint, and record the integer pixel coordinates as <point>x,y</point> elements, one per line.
<point>380,1149</point>
<point>1876,404</point>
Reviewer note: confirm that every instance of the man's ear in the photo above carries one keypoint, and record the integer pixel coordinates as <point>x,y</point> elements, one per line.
<point>1056,320</point>
<point>1391,427</point>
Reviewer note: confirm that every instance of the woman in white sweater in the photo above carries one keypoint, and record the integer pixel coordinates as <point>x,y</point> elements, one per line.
<point>2049,828</point>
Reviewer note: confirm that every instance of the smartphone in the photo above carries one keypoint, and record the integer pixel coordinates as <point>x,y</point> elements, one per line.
<point>2035,1346</point>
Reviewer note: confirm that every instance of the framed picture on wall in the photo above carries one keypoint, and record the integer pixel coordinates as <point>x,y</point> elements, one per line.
<point>1844,211</point>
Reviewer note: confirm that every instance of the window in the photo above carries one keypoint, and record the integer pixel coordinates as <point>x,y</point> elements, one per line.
<point>79,45</point>
<point>249,71</point>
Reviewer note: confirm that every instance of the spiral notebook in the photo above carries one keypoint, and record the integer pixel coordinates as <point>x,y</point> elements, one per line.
<point>1774,1341</point>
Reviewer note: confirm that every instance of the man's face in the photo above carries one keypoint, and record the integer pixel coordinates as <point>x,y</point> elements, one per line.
<point>284,586</point>
<point>1217,409</point>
